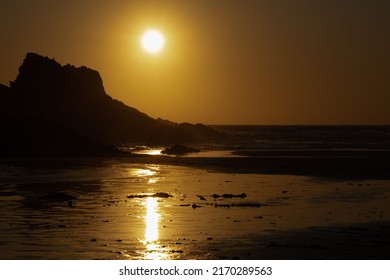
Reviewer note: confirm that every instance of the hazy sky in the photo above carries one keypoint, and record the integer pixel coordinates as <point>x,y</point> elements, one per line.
<point>224,61</point>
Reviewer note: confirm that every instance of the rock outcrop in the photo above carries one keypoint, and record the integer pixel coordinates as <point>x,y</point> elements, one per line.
<point>179,150</point>
<point>52,109</point>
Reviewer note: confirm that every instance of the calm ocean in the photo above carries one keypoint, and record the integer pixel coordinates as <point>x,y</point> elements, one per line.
<point>241,137</point>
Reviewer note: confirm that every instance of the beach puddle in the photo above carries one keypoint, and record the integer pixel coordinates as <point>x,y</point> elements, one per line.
<point>118,210</point>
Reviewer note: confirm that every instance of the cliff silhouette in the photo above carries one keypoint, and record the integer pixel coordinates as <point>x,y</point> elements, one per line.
<point>52,109</point>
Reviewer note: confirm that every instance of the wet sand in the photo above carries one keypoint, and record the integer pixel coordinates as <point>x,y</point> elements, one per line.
<point>193,208</point>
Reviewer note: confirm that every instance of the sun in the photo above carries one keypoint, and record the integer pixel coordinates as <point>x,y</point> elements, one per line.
<point>152,41</point>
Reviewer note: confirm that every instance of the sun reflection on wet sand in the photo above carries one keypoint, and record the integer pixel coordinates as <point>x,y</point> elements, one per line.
<point>151,219</point>
<point>153,249</point>
<point>149,173</point>
<point>145,172</point>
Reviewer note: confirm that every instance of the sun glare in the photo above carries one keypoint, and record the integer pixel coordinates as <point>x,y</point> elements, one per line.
<point>152,41</point>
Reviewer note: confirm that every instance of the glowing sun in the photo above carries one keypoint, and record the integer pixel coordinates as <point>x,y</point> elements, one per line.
<point>152,41</point>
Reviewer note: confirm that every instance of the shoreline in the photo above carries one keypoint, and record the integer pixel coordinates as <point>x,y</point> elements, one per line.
<point>365,165</point>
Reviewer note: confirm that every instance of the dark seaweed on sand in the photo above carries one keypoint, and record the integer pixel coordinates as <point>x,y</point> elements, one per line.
<point>159,195</point>
<point>229,195</point>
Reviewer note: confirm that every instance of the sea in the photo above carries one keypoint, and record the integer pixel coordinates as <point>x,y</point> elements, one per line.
<point>249,140</point>
<point>303,137</point>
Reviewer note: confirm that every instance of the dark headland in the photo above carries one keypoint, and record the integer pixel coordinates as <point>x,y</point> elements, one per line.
<point>55,110</point>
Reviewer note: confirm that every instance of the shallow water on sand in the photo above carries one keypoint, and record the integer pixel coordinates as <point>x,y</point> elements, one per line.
<point>110,209</point>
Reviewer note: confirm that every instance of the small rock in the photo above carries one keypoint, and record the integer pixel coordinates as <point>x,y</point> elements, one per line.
<point>177,251</point>
<point>179,150</point>
<point>221,205</point>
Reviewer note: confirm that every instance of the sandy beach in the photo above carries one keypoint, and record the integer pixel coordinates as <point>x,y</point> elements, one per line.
<point>194,208</point>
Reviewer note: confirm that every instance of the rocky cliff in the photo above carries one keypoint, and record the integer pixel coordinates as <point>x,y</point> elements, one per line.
<point>57,109</point>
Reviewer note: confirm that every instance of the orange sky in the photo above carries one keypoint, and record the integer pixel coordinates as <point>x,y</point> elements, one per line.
<point>224,62</point>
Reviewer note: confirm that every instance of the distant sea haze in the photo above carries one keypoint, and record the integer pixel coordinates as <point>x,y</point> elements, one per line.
<point>299,137</point>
